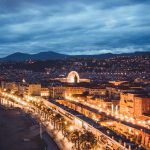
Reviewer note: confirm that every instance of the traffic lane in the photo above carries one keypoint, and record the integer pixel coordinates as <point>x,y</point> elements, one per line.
<point>111,133</point>
<point>113,118</point>
<point>97,126</point>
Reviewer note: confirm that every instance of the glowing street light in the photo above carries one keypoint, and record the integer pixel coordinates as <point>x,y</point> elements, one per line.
<point>71,128</point>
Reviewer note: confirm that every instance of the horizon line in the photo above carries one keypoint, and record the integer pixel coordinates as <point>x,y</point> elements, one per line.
<point>77,54</point>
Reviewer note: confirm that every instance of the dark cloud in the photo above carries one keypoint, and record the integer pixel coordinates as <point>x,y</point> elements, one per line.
<point>74,27</point>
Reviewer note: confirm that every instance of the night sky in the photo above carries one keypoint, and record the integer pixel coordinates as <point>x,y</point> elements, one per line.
<point>74,26</point>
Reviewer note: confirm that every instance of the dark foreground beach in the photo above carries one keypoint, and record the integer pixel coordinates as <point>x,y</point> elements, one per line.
<point>19,132</point>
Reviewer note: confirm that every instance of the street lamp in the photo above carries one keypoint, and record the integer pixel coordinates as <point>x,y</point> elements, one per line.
<point>40,130</point>
<point>71,128</point>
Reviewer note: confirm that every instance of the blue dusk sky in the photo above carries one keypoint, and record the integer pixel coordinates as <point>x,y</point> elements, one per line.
<point>74,26</point>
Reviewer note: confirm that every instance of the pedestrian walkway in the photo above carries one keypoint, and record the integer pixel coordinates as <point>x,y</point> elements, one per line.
<point>62,142</point>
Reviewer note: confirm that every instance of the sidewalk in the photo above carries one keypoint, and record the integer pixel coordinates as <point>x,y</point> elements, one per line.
<point>62,142</point>
<point>56,135</point>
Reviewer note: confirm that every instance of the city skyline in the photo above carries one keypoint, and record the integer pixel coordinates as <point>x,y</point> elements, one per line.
<point>80,27</point>
<point>74,75</point>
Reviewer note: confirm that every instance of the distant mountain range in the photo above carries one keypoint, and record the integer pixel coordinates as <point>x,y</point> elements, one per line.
<point>56,56</point>
<point>39,56</point>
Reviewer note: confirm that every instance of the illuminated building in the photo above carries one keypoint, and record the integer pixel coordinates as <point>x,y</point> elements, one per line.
<point>57,91</point>
<point>73,77</point>
<point>117,82</point>
<point>69,91</point>
<point>45,92</point>
<point>134,105</point>
<point>12,86</point>
<point>34,90</point>
<point>97,91</point>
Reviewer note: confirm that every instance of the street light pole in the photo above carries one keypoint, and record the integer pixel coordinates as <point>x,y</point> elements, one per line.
<point>40,130</point>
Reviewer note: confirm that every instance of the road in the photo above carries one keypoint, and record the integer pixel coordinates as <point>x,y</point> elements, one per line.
<point>112,117</point>
<point>102,129</point>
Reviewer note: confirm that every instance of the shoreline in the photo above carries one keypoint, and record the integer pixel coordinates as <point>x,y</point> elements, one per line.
<point>16,132</point>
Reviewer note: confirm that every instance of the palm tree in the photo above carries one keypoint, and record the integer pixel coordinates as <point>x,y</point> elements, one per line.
<point>50,114</point>
<point>63,124</point>
<point>56,118</point>
<point>75,137</point>
<point>60,122</point>
<point>66,129</point>
<point>88,140</point>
